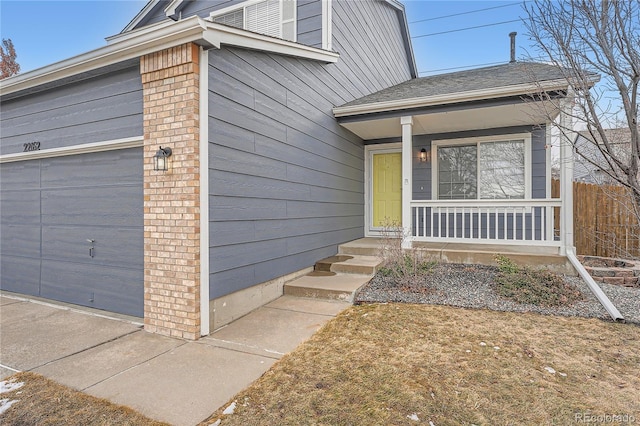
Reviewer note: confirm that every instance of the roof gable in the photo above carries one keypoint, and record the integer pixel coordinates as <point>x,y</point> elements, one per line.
<point>157,10</point>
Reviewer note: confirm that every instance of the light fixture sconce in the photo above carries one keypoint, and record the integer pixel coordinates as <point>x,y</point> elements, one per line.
<point>423,155</point>
<point>161,159</point>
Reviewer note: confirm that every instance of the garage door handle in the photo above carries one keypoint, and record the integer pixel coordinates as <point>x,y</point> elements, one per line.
<point>92,248</point>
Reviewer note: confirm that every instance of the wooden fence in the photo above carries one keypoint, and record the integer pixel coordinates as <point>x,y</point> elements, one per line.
<point>605,223</point>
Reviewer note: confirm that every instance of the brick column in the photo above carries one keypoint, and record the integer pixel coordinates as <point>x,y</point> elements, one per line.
<point>170,81</point>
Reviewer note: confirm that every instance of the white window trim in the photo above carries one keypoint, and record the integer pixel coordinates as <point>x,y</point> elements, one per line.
<point>369,150</point>
<point>327,18</point>
<point>248,3</point>
<point>477,141</point>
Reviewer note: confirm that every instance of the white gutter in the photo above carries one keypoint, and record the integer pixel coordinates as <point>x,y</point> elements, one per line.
<point>595,288</point>
<point>128,46</point>
<point>449,98</point>
<point>157,37</point>
<point>203,166</point>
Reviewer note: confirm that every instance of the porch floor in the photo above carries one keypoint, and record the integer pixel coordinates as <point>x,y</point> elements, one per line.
<point>484,254</point>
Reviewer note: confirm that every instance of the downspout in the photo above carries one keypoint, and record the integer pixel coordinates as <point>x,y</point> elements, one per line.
<point>594,287</point>
<point>566,194</point>
<point>204,192</point>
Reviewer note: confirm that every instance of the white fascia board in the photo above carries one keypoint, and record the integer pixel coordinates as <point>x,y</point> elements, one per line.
<point>158,37</point>
<point>86,148</point>
<point>120,48</point>
<point>396,4</point>
<point>140,16</point>
<point>225,35</point>
<point>449,98</point>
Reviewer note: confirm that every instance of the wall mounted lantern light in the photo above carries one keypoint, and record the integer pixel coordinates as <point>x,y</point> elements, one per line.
<point>161,159</point>
<point>423,155</point>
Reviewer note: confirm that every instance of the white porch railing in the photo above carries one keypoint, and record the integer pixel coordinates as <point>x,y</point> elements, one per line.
<point>529,222</point>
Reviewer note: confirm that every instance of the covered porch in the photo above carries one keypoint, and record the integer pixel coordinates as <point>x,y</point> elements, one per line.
<point>463,161</point>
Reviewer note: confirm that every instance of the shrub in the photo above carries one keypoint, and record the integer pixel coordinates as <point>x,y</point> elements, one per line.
<point>406,266</point>
<point>534,286</point>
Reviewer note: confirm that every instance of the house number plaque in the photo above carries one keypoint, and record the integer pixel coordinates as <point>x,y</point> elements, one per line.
<point>31,146</point>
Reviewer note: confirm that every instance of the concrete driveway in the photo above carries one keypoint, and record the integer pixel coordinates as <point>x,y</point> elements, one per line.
<point>171,380</point>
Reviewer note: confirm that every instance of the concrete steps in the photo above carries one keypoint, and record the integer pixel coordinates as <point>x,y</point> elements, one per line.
<point>337,277</point>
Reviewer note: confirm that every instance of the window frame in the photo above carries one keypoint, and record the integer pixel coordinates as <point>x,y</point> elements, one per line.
<point>435,144</point>
<point>243,5</point>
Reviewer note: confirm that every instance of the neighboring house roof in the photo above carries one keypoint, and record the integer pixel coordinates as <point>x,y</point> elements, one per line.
<point>475,80</point>
<point>585,145</point>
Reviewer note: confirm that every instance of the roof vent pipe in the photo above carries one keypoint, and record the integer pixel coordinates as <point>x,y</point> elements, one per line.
<point>513,46</point>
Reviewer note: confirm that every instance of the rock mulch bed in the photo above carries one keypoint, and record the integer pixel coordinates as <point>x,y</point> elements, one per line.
<point>469,286</point>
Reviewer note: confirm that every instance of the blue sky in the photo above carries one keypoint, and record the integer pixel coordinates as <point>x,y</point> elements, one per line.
<point>48,31</point>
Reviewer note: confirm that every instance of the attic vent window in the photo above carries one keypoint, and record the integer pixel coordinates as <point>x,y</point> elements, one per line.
<point>276,18</point>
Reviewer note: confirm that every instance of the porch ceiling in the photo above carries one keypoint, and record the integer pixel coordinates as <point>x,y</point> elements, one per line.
<point>454,120</point>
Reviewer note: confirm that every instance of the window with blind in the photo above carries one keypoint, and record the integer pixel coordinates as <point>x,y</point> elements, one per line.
<point>482,169</point>
<point>276,18</point>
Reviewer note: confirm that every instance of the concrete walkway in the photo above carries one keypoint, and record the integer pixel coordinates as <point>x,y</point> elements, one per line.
<point>171,380</point>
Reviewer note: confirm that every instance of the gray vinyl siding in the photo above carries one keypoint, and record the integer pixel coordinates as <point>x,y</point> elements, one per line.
<point>309,16</point>
<point>286,181</point>
<point>96,109</point>
<point>309,22</point>
<point>51,207</point>
<point>368,36</point>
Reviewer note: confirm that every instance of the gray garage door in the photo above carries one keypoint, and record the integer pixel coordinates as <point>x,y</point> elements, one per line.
<point>52,208</point>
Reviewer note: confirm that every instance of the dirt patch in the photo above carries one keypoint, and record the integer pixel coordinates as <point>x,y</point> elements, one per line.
<point>40,401</point>
<point>407,364</point>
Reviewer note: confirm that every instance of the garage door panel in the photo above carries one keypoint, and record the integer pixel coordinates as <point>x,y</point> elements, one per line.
<point>20,175</point>
<point>20,207</point>
<point>20,240</point>
<point>93,206</point>
<point>96,169</point>
<point>20,274</point>
<point>100,287</point>
<point>119,247</point>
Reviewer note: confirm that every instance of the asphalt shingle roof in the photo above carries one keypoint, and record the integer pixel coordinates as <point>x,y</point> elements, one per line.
<point>464,81</point>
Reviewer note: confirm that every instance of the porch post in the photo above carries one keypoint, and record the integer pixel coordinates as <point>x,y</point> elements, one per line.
<point>566,173</point>
<point>407,171</point>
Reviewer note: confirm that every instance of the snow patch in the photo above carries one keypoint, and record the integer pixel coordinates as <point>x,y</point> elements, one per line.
<point>10,385</point>
<point>431,423</point>
<point>414,417</point>
<point>483,344</point>
<point>5,404</point>
<point>563,374</point>
<point>497,348</point>
<point>550,370</point>
<point>216,423</point>
<point>468,351</point>
<point>230,409</point>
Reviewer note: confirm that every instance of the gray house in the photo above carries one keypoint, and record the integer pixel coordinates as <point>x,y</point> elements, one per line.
<point>590,160</point>
<point>215,149</point>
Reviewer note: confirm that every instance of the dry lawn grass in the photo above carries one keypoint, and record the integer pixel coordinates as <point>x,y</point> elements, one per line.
<point>379,364</point>
<point>43,402</point>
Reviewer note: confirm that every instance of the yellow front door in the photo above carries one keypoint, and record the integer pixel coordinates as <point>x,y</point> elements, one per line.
<point>387,189</point>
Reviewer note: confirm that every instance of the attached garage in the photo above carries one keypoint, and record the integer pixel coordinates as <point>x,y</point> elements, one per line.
<point>72,229</point>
